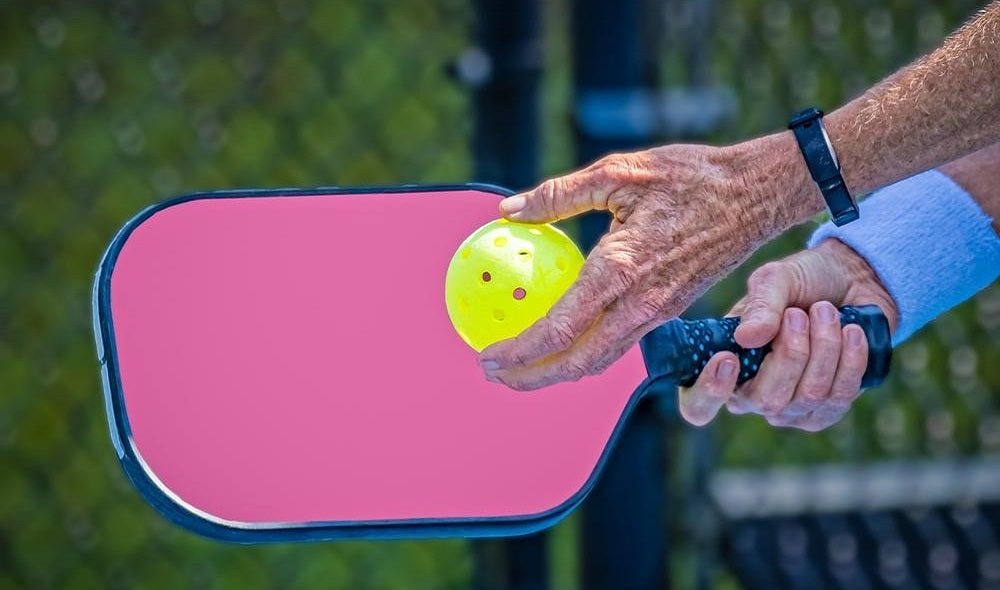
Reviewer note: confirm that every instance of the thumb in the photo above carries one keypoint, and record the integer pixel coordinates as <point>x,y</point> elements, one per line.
<point>559,198</point>
<point>769,292</point>
<point>797,281</point>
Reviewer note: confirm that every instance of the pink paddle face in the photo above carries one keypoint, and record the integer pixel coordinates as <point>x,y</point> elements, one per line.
<point>288,359</point>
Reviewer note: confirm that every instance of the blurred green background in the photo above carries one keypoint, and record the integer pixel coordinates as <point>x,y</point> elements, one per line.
<point>106,107</point>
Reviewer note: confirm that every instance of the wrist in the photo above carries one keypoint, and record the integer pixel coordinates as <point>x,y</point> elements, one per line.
<point>928,241</point>
<point>780,189</point>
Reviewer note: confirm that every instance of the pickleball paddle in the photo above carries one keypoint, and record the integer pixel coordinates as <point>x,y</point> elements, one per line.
<point>279,365</point>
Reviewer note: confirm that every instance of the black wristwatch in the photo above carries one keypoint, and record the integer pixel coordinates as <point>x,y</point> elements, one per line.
<point>823,165</point>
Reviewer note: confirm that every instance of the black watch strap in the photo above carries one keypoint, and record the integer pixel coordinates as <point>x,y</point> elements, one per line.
<point>815,146</point>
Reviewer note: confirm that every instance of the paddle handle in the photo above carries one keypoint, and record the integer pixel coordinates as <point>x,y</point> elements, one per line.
<point>691,343</point>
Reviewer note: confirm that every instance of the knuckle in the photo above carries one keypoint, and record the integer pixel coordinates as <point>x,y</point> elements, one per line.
<point>773,402</point>
<point>795,350</point>
<point>559,335</point>
<point>844,393</point>
<point>813,393</point>
<point>512,354</point>
<point>626,274</point>
<point>617,167</point>
<point>718,394</point>
<point>770,408</point>
<point>549,193</point>
<point>798,408</point>
<point>736,408</point>
<point>649,306</point>
<point>621,270</point>
<point>759,307</point>
<point>766,274</point>
<point>573,370</point>
<point>610,166</point>
<point>519,359</point>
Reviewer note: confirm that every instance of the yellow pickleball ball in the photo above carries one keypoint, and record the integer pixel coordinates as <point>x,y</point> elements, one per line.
<point>505,276</point>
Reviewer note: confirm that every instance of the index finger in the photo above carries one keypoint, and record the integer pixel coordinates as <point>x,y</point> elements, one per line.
<point>768,294</point>
<point>569,195</point>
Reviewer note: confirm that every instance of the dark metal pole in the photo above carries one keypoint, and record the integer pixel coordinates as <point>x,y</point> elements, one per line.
<point>506,68</point>
<point>624,521</point>
<point>504,71</point>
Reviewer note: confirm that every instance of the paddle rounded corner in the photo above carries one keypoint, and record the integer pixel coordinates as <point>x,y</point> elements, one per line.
<point>135,470</point>
<point>174,509</point>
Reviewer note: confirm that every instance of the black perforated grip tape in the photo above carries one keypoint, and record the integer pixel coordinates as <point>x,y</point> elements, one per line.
<point>700,339</point>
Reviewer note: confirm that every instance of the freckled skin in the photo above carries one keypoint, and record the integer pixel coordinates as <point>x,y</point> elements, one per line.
<point>683,216</point>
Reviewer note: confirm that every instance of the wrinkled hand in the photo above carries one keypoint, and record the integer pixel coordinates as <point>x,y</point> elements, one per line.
<point>683,216</point>
<point>813,373</point>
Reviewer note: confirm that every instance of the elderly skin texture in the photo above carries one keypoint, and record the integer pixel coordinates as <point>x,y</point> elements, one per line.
<point>685,215</point>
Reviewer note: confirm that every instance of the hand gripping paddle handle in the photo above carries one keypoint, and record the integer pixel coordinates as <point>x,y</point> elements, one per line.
<point>679,349</point>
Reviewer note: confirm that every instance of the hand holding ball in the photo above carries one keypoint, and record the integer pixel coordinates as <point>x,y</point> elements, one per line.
<point>506,276</point>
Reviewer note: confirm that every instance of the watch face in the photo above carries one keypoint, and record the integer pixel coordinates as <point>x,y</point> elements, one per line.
<point>829,147</point>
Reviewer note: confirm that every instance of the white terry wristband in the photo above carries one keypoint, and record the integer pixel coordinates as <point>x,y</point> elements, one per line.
<point>929,242</point>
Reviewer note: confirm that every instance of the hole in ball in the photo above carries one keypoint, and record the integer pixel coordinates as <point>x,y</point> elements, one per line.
<point>519,293</point>
<point>524,254</point>
<point>487,277</point>
<point>499,315</point>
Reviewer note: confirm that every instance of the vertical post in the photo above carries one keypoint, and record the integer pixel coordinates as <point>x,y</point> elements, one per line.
<point>624,521</point>
<point>505,100</point>
<point>614,84</point>
<point>506,67</point>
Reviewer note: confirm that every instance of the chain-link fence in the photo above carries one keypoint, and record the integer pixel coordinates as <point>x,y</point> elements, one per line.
<point>106,107</point>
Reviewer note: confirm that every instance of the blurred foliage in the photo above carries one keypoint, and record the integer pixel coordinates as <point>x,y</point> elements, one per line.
<point>106,107</point>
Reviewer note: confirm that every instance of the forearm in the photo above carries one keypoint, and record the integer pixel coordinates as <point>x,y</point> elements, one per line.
<point>979,174</point>
<point>939,108</point>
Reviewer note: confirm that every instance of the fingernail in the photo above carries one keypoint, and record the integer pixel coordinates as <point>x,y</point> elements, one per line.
<point>512,205</point>
<point>726,369</point>
<point>797,321</point>
<point>826,314</point>
<point>489,365</point>
<point>854,338</point>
